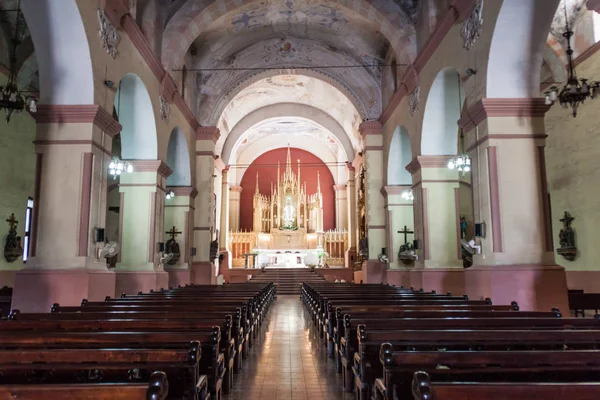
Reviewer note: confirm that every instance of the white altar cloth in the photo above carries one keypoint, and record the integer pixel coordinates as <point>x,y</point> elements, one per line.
<point>288,258</point>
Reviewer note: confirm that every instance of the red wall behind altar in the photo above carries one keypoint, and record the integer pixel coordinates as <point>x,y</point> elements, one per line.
<point>266,165</point>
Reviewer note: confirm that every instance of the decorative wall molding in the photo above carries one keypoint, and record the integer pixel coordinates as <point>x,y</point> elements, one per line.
<point>151,166</point>
<point>165,109</point>
<point>77,114</point>
<point>183,191</point>
<point>472,27</point>
<point>208,133</point>
<point>415,98</point>
<point>428,162</point>
<point>484,108</point>
<point>370,128</point>
<point>109,37</point>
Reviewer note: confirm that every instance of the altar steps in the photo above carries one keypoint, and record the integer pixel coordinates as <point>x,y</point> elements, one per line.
<point>288,280</point>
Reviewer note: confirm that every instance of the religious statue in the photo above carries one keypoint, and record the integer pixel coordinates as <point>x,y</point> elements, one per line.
<point>172,247</point>
<point>289,214</point>
<point>12,248</point>
<point>463,228</point>
<point>566,238</point>
<point>214,248</point>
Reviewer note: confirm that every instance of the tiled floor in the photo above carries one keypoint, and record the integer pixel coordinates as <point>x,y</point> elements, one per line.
<point>286,364</point>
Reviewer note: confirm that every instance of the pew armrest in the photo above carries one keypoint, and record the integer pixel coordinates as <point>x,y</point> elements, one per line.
<point>380,390</point>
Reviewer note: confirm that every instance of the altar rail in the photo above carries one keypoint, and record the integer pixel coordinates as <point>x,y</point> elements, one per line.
<point>335,243</point>
<point>241,243</point>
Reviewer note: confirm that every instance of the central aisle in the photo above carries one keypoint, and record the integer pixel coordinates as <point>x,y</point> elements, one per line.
<point>286,364</point>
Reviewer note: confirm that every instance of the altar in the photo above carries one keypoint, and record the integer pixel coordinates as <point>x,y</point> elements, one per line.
<point>290,258</point>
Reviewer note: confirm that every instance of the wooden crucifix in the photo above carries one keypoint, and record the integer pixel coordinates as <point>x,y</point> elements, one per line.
<point>173,232</point>
<point>12,222</point>
<point>406,232</point>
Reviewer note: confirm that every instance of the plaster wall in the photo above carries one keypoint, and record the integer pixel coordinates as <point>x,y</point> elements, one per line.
<point>573,169</point>
<point>17,170</point>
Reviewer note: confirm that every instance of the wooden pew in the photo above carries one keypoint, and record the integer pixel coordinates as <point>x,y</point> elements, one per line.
<point>579,302</point>
<point>487,366</point>
<point>111,365</point>
<point>156,389</point>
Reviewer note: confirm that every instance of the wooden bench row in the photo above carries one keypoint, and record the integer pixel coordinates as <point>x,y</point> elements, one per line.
<point>397,343</point>
<point>196,339</point>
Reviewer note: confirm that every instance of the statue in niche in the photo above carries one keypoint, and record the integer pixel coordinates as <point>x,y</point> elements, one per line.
<point>566,238</point>
<point>463,228</point>
<point>12,248</point>
<point>289,214</point>
<point>172,247</point>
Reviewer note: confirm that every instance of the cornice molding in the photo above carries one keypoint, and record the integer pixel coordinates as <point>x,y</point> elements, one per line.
<point>183,191</point>
<point>485,108</point>
<point>77,114</point>
<point>370,128</point>
<point>151,166</point>
<point>208,133</point>
<point>421,162</point>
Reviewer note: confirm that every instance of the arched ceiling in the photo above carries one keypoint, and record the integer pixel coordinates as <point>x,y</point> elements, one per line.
<point>294,96</point>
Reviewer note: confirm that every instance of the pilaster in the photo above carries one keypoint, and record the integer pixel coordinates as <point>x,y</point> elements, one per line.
<point>352,218</point>
<point>341,207</point>
<point>224,259</point>
<point>204,270</point>
<point>234,207</point>
<point>372,134</point>
<point>142,226</point>
<point>73,148</point>
<point>506,140</point>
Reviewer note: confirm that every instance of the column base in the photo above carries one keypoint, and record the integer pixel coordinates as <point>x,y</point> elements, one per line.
<point>534,287</point>
<point>350,257</point>
<point>7,277</point>
<point>374,271</point>
<point>204,273</point>
<point>225,263</point>
<point>179,276</point>
<point>36,290</point>
<point>588,281</point>
<point>442,280</point>
<point>132,282</point>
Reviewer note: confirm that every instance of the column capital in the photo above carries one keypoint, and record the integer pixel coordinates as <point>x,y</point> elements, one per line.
<point>115,10</point>
<point>525,107</point>
<point>226,169</point>
<point>235,188</point>
<point>184,191</point>
<point>370,128</point>
<point>339,188</point>
<point>421,162</point>
<point>151,166</point>
<point>394,190</point>
<point>208,133</point>
<point>77,114</point>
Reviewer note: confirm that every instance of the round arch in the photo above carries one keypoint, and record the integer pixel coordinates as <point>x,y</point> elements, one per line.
<point>178,159</point>
<point>286,110</point>
<point>367,107</point>
<point>399,155</point>
<point>139,139</point>
<point>517,48</point>
<point>62,51</point>
<point>439,135</point>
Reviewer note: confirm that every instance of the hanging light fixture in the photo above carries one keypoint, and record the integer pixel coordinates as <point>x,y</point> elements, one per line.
<point>407,195</point>
<point>170,194</point>
<point>13,100</point>
<point>118,167</point>
<point>462,162</point>
<point>575,91</point>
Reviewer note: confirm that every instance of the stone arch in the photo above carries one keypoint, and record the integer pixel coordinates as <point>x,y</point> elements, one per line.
<point>287,110</point>
<point>190,20</point>
<point>178,159</point>
<point>62,51</point>
<point>210,114</point>
<point>139,139</point>
<point>517,48</point>
<point>442,111</point>
<point>399,155</point>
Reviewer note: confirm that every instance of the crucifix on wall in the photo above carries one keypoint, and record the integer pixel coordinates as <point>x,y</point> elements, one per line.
<point>406,232</point>
<point>12,247</point>
<point>172,247</point>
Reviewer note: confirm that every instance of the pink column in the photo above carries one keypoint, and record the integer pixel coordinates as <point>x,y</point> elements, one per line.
<point>372,132</point>
<point>506,139</point>
<point>204,270</point>
<point>351,255</point>
<point>73,147</point>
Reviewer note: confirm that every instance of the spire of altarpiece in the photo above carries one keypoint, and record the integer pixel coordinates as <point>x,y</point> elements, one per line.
<point>257,191</point>
<point>318,182</point>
